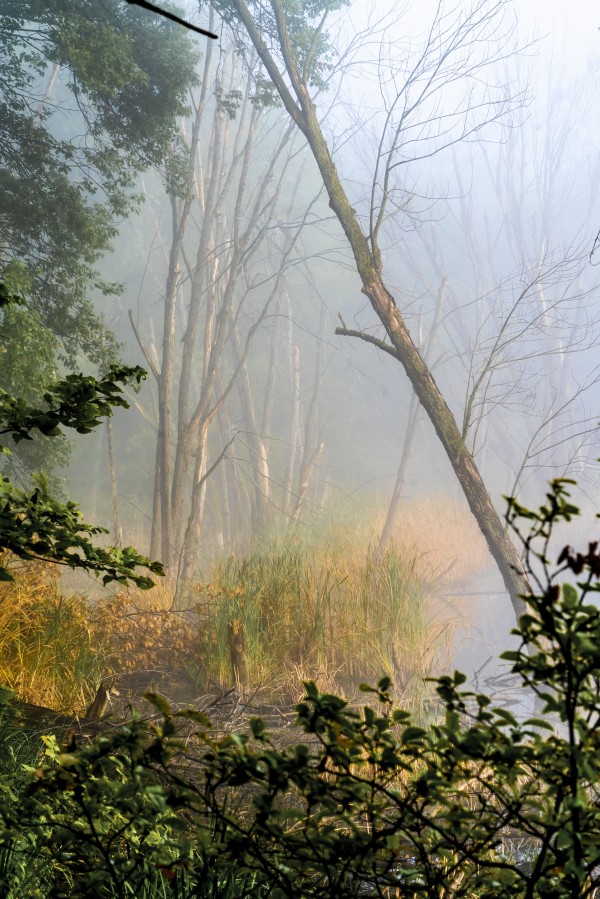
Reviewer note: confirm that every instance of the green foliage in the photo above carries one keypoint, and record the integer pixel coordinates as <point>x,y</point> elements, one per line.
<point>23,339</point>
<point>78,401</point>
<point>70,149</point>
<point>478,804</point>
<point>305,23</point>
<point>34,525</point>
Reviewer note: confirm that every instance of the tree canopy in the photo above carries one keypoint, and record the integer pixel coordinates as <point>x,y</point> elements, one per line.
<point>89,96</point>
<point>35,525</point>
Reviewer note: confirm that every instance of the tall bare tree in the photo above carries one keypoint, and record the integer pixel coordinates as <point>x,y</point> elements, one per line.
<point>522,323</point>
<point>429,99</point>
<point>235,229</point>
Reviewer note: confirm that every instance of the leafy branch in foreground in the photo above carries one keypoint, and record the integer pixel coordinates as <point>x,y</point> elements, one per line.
<point>77,401</point>
<point>480,804</point>
<point>34,525</point>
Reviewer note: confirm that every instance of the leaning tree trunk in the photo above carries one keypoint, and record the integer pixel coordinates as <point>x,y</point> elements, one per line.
<point>369,268</point>
<point>414,417</point>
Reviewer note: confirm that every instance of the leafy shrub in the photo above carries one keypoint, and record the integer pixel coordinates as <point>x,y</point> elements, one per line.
<point>139,633</point>
<point>477,805</point>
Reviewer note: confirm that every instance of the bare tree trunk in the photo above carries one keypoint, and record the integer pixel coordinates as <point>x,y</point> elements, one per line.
<point>269,394</point>
<point>165,394</point>
<point>405,460</point>
<point>312,449</point>
<point>237,535</point>
<point>369,267</point>
<point>260,464</point>
<point>288,478</point>
<point>217,501</point>
<point>118,534</point>
<point>155,541</point>
<point>414,416</point>
<point>308,467</point>
<point>191,540</point>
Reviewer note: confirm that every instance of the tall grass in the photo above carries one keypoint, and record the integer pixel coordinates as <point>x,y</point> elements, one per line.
<point>323,606</point>
<point>48,652</point>
<point>336,618</point>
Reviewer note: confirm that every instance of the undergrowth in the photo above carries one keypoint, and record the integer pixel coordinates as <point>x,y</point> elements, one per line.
<point>49,653</point>
<point>475,805</point>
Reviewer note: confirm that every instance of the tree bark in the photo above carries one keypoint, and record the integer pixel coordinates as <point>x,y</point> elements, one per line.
<point>368,265</point>
<point>114,492</point>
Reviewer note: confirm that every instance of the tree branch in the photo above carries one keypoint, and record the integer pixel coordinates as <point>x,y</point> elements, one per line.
<point>270,65</point>
<point>369,338</point>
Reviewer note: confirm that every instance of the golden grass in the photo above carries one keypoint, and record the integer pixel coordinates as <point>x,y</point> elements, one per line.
<point>48,653</point>
<point>335,615</point>
<point>323,606</point>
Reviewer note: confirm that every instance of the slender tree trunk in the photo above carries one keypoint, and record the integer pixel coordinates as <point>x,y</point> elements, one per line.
<point>405,460</point>
<point>401,346</point>
<point>191,540</point>
<point>118,534</point>
<point>256,442</point>
<point>155,541</point>
<point>218,503</point>
<point>414,417</point>
<point>269,394</point>
<point>288,478</point>
<point>304,483</point>
<point>238,515</point>
<point>165,394</point>
<point>312,449</point>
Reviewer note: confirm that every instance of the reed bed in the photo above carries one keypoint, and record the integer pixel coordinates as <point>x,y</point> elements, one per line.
<point>331,617</point>
<point>323,606</point>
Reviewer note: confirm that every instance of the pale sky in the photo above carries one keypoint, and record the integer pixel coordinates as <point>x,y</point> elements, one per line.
<point>570,26</point>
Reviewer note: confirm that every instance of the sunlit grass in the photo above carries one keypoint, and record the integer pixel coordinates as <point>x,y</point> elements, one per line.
<point>48,653</point>
<point>319,604</point>
<point>331,617</point>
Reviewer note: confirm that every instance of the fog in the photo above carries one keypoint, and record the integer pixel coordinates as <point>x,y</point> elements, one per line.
<point>473,169</point>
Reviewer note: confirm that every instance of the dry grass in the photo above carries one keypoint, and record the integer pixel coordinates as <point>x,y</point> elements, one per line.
<point>333,616</point>
<point>48,652</point>
<point>323,607</point>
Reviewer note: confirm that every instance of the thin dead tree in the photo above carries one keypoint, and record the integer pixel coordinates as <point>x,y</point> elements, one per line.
<point>410,435</point>
<point>420,116</point>
<point>522,347</point>
<point>224,182</point>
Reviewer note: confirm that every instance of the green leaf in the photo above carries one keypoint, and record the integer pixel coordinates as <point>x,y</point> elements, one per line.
<point>159,702</point>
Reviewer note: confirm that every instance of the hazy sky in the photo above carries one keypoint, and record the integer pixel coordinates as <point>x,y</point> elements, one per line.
<point>571,27</point>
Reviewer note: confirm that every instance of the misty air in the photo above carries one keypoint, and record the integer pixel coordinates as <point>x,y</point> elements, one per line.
<point>299,449</point>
